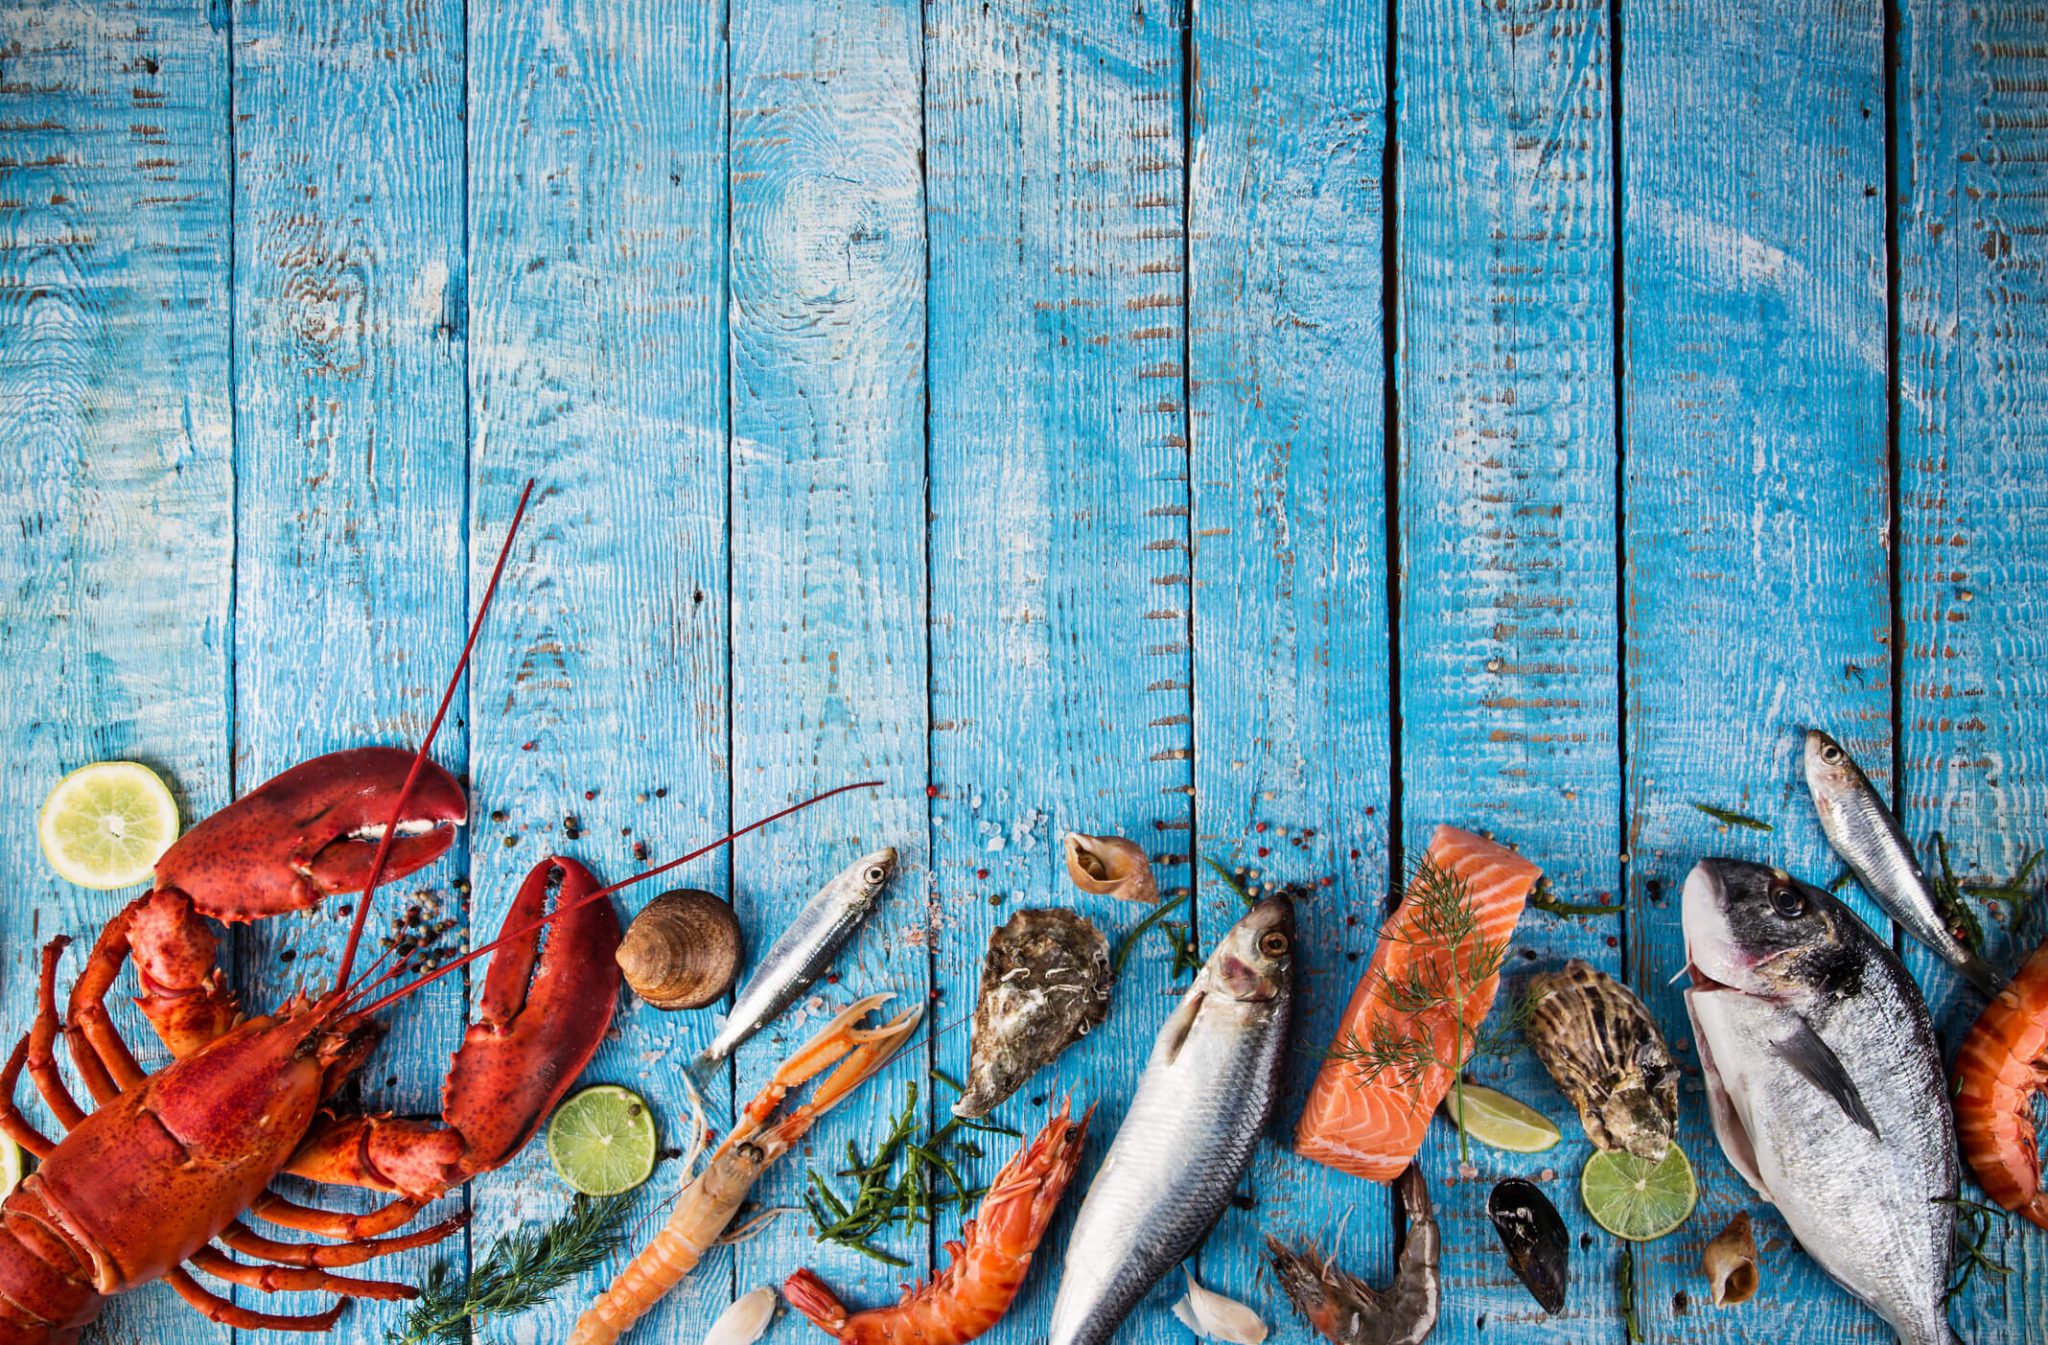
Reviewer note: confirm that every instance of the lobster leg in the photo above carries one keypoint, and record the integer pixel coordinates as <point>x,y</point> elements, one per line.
<point>294,1279</point>
<point>246,1240</point>
<point>541,1016</point>
<point>42,1039</point>
<point>217,1309</point>
<point>274,1208</point>
<point>12,1123</point>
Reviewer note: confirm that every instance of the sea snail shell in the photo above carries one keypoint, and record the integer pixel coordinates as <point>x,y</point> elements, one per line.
<point>682,951</point>
<point>1731,1263</point>
<point>1110,866</point>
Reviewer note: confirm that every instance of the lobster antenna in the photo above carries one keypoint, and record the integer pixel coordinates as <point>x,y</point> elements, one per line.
<point>419,760</point>
<point>602,893</point>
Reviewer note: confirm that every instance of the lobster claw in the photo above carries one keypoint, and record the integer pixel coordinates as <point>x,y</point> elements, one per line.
<point>535,1029</point>
<point>313,832</point>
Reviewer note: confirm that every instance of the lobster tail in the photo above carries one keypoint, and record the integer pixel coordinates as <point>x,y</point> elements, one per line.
<point>809,1296</point>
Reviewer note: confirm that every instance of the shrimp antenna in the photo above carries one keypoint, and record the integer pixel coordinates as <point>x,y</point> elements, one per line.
<point>419,760</point>
<point>603,892</point>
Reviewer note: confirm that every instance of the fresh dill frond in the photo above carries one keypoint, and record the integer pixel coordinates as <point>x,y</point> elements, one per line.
<point>1729,817</point>
<point>1429,994</point>
<point>521,1271</point>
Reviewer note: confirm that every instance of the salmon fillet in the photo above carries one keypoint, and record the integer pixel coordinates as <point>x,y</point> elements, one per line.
<point>1371,1126</point>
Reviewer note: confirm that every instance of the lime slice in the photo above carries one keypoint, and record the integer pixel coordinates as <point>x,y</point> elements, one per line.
<point>105,825</point>
<point>10,1165</point>
<point>602,1140</point>
<point>1636,1199</point>
<point>1495,1119</point>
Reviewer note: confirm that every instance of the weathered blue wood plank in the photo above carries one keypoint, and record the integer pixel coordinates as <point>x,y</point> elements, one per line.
<point>828,578</point>
<point>1508,602</point>
<point>1971,159</point>
<point>597,337</point>
<point>1756,505</point>
<point>349,460</point>
<point>1290,588</point>
<point>115,489</point>
<point>1059,496</point>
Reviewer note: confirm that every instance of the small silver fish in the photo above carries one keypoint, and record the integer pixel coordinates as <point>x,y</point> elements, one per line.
<point>1825,1085</point>
<point>1868,838</point>
<point>1185,1143</point>
<point>805,951</point>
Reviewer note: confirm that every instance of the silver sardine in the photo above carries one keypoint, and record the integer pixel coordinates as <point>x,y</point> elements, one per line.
<point>805,950</point>
<point>1825,1085</point>
<point>1867,837</point>
<point>1184,1144</point>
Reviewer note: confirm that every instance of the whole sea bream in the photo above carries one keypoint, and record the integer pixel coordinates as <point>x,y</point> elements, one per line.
<point>1864,833</point>
<point>1825,1084</point>
<point>805,950</point>
<point>1208,1088</point>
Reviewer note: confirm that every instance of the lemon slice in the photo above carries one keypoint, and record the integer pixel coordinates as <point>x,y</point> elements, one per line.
<point>1497,1120</point>
<point>602,1140</point>
<point>10,1165</point>
<point>1636,1199</point>
<point>105,825</point>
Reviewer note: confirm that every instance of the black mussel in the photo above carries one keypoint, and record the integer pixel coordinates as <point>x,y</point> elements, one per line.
<point>1534,1235</point>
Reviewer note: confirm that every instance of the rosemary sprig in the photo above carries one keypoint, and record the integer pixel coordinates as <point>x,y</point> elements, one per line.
<point>1728,817</point>
<point>882,1198</point>
<point>1437,917</point>
<point>1625,1285</point>
<point>1542,900</point>
<point>1153,917</point>
<point>1981,1219</point>
<point>521,1271</point>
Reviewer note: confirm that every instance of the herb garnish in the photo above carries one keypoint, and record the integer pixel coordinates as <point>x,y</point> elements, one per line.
<point>883,1199</point>
<point>1981,1219</point>
<point>522,1270</point>
<point>1625,1284</point>
<point>1542,900</point>
<point>1948,898</point>
<point>1728,817</point>
<point>1438,919</point>
<point>1130,940</point>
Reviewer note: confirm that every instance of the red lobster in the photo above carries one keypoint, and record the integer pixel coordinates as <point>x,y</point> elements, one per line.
<point>142,1188</point>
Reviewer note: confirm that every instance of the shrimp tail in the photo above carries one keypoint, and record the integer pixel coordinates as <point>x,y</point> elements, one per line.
<point>809,1296</point>
<point>646,1280</point>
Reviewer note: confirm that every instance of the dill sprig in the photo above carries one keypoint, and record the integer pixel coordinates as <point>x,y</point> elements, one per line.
<point>882,1197</point>
<point>1970,1242</point>
<point>1729,817</point>
<point>1431,991</point>
<point>522,1270</point>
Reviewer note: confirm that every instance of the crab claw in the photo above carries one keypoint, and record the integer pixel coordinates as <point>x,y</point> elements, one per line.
<point>312,832</point>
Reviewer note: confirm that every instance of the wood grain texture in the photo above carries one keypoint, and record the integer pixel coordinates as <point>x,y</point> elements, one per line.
<point>599,703</point>
<point>1290,589</point>
<point>349,464</point>
<point>828,579</point>
<point>1059,500</point>
<point>1508,653</point>
<point>1756,509</point>
<point>1971,158</point>
<point>115,488</point>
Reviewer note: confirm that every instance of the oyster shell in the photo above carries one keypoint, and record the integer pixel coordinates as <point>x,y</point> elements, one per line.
<point>1597,1040</point>
<point>1044,985</point>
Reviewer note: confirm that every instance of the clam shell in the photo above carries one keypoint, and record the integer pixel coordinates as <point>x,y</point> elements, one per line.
<point>682,951</point>
<point>1599,1043</point>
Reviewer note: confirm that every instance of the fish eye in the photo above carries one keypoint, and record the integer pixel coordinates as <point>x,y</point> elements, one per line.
<point>875,874</point>
<point>1831,754</point>
<point>1273,943</point>
<point>1788,900</point>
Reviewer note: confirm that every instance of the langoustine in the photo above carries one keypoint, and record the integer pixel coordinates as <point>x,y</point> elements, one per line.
<point>2001,1067</point>
<point>708,1202</point>
<point>990,1259</point>
<point>1347,1310</point>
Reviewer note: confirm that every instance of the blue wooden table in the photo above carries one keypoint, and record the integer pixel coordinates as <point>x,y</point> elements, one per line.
<point>1265,430</point>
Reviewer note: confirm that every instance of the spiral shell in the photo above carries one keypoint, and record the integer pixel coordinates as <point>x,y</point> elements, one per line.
<point>1730,1261</point>
<point>1110,866</point>
<point>682,951</point>
<point>1597,1040</point>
